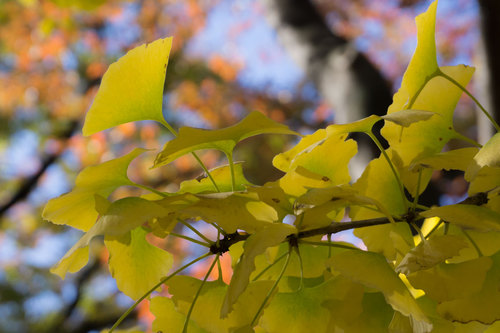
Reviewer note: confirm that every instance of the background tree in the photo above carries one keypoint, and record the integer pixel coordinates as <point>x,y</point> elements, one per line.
<point>52,58</point>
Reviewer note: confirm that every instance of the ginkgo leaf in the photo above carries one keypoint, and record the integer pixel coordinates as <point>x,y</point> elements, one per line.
<point>72,262</point>
<point>273,195</point>
<point>446,282</point>
<point>232,211</point>
<point>421,89</point>
<point>373,271</point>
<point>221,176</point>
<point>379,183</point>
<point>131,89</point>
<point>364,125</point>
<point>456,159</point>
<point>77,208</point>
<point>135,264</point>
<point>296,182</point>
<point>256,244</point>
<point>183,289</point>
<point>430,253</point>
<point>472,216</point>
<point>483,307</point>
<point>168,319</point>
<point>320,196</point>
<point>310,154</point>
<point>407,117</point>
<point>120,217</point>
<point>191,139</point>
<point>488,156</point>
<point>303,310</point>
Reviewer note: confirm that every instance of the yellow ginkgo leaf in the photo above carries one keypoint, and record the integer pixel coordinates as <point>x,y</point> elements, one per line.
<point>131,89</point>
<point>136,265</point>
<point>77,208</point>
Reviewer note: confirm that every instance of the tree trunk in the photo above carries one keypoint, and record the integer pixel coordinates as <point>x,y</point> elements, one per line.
<point>490,31</point>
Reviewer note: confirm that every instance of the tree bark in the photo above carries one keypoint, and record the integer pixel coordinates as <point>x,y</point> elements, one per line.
<point>490,34</point>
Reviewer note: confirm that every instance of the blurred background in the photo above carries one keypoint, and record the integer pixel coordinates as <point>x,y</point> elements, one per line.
<point>306,63</point>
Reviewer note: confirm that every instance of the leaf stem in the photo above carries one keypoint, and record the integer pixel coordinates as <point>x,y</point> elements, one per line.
<point>478,250</point>
<point>193,229</point>
<point>231,167</point>
<point>396,176</point>
<point>417,193</point>
<point>147,188</point>
<point>434,229</point>
<point>189,239</point>
<point>486,113</point>
<point>427,79</point>
<point>269,266</point>
<point>271,291</point>
<point>200,162</point>
<point>330,244</point>
<point>419,231</point>
<point>186,322</point>
<point>162,281</point>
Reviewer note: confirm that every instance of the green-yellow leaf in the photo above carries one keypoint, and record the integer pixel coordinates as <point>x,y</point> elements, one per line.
<point>77,208</point>
<point>422,90</point>
<point>167,319</point>
<point>457,159</point>
<point>208,304</point>
<point>364,125</point>
<point>120,217</point>
<point>131,89</point>
<point>372,270</point>
<point>232,211</point>
<point>483,307</point>
<point>256,244</point>
<point>446,282</point>
<point>430,253</point>
<point>489,155</point>
<point>221,176</point>
<point>407,117</point>
<point>303,310</point>
<point>135,264</point>
<point>191,139</point>
<point>476,217</point>
<point>71,262</point>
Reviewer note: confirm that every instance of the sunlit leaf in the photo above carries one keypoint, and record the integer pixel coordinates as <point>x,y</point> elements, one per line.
<point>119,218</point>
<point>72,262</point>
<point>363,125</point>
<point>256,244</point>
<point>77,208</point>
<point>310,154</point>
<point>407,117</point>
<point>131,89</point>
<point>221,176</point>
<point>475,217</point>
<point>457,159</point>
<point>489,155</point>
<point>208,304</point>
<point>168,319</point>
<point>233,211</point>
<point>372,270</point>
<point>191,139</point>
<point>452,281</point>
<point>303,310</point>
<point>430,253</point>
<point>437,95</point>
<point>135,264</point>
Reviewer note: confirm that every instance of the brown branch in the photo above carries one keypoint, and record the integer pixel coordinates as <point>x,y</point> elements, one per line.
<point>29,183</point>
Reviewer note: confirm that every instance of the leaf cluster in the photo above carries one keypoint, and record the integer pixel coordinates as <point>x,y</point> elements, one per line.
<point>287,273</point>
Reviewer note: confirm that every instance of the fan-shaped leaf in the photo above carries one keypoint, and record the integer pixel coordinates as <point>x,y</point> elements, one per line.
<point>131,89</point>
